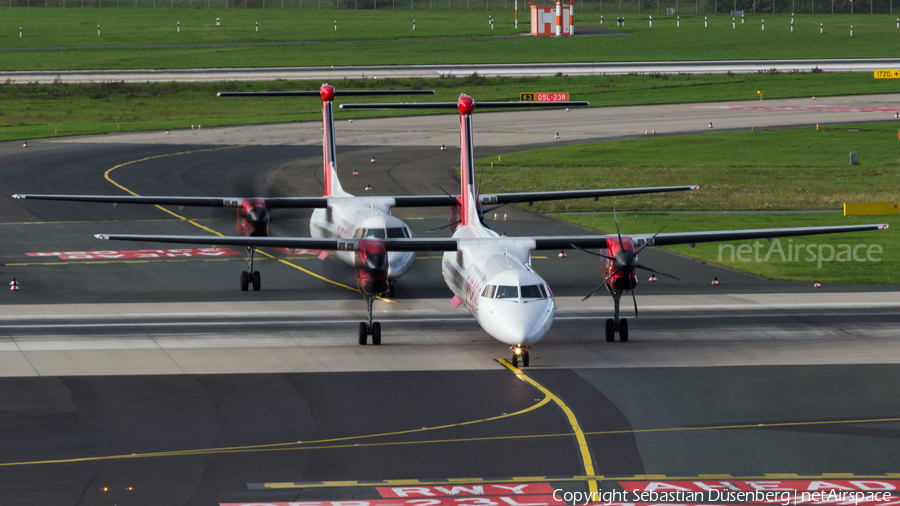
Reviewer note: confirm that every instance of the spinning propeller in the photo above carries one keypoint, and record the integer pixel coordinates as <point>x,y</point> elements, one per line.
<point>624,262</point>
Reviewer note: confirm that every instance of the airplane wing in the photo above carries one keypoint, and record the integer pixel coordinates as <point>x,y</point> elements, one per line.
<point>512,198</point>
<point>284,202</point>
<point>310,243</point>
<point>597,241</point>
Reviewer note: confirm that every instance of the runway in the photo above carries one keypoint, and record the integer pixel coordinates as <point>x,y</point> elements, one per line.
<point>430,71</point>
<point>149,378</point>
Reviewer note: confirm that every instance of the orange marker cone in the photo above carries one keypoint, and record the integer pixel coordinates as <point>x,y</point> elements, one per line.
<point>14,285</point>
<point>25,145</point>
<point>710,124</point>
<point>562,254</point>
<point>443,147</point>
<point>652,277</point>
<point>817,285</point>
<point>355,172</point>
<point>350,120</point>
<point>368,187</point>
<point>715,281</point>
<point>557,135</point>
<point>372,160</point>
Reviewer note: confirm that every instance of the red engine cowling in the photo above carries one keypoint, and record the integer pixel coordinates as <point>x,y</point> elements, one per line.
<point>371,267</point>
<point>619,281</point>
<point>253,218</point>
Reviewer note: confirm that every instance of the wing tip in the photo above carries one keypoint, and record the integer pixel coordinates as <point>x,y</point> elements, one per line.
<point>102,237</point>
<point>18,196</point>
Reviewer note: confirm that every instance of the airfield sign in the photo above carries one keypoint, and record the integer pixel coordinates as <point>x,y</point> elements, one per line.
<point>543,97</point>
<point>887,74</point>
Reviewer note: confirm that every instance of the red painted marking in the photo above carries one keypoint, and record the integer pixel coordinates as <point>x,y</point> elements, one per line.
<point>762,485</point>
<point>413,491</point>
<point>518,500</point>
<point>803,107</point>
<point>551,97</point>
<point>138,253</point>
<point>455,301</point>
<point>287,251</point>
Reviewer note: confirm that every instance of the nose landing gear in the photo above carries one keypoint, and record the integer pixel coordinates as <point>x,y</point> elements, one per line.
<point>368,327</point>
<point>616,325</point>
<point>519,354</point>
<point>250,276</point>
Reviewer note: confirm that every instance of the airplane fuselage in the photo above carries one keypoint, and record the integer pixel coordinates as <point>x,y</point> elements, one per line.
<point>493,278</point>
<point>349,217</point>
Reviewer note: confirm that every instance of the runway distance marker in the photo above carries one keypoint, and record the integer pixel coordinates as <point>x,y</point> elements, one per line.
<point>887,74</point>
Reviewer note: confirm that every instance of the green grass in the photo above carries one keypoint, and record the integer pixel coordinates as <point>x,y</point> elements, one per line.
<point>389,38</point>
<point>804,269</point>
<point>29,110</point>
<point>795,169</point>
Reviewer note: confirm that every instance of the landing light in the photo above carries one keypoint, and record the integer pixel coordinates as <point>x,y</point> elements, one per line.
<point>518,351</point>
<point>886,226</point>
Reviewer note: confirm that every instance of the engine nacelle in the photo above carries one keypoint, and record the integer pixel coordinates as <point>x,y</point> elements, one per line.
<point>371,267</point>
<point>619,281</point>
<point>253,218</point>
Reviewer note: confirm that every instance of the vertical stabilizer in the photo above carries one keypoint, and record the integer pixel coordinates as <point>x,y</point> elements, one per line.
<point>468,197</point>
<point>332,184</point>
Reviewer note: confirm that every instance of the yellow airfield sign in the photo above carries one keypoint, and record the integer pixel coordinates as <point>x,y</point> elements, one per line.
<point>887,74</point>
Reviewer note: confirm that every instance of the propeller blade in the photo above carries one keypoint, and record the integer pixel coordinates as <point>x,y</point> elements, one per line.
<point>445,191</point>
<point>635,304</point>
<point>579,248</point>
<point>644,267</point>
<point>651,239</point>
<point>621,245</point>
<point>445,226</point>
<point>599,287</point>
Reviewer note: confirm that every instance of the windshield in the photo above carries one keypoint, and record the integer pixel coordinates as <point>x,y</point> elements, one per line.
<point>507,292</point>
<point>533,292</point>
<point>375,233</point>
<point>397,233</point>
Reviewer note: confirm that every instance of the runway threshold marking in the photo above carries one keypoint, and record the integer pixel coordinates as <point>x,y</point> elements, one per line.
<point>298,445</point>
<point>584,448</point>
<point>202,227</point>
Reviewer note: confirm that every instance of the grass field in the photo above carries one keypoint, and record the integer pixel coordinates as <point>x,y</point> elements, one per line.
<point>389,38</point>
<point>773,261</point>
<point>29,110</point>
<point>796,169</point>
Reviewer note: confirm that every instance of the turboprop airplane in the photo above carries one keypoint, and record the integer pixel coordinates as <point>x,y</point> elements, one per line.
<point>337,213</point>
<point>490,275</point>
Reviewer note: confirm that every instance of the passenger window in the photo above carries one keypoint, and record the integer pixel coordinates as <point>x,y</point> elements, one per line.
<point>489,291</point>
<point>375,233</point>
<point>507,292</point>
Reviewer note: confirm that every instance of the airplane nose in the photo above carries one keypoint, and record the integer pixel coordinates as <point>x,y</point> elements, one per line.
<point>521,332</point>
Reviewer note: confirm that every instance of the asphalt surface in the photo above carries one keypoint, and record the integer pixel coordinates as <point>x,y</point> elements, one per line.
<point>156,381</point>
<point>490,70</point>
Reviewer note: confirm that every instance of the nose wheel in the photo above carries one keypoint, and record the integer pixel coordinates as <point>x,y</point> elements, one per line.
<point>250,276</point>
<point>520,354</point>
<point>369,328</point>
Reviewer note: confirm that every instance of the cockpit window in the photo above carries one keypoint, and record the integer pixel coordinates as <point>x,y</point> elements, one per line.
<point>533,292</point>
<point>397,233</point>
<point>375,233</point>
<point>489,291</point>
<point>507,292</point>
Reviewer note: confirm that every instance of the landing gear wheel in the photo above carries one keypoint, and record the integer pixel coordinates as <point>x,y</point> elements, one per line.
<point>623,330</point>
<point>376,333</point>
<point>610,331</point>
<point>515,359</point>
<point>525,358</point>
<point>363,333</point>
<point>256,281</point>
<point>245,281</point>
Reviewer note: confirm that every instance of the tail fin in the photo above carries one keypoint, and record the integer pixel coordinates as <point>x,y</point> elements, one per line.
<point>468,198</point>
<point>332,184</point>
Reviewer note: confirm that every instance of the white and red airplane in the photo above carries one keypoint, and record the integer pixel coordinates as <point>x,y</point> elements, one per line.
<point>489,274</point>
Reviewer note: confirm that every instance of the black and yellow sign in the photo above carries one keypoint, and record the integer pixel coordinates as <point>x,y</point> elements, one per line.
<point>526,97</point>
<point>887,74</point>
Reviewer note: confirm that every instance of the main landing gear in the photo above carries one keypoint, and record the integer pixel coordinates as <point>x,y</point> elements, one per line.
<point>369,328</point>
<point>250,276</point>
<point>615,324</point>
<point>519,354</point>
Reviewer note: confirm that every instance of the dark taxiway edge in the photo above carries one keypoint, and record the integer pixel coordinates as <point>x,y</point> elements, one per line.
<point>54,418</point>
